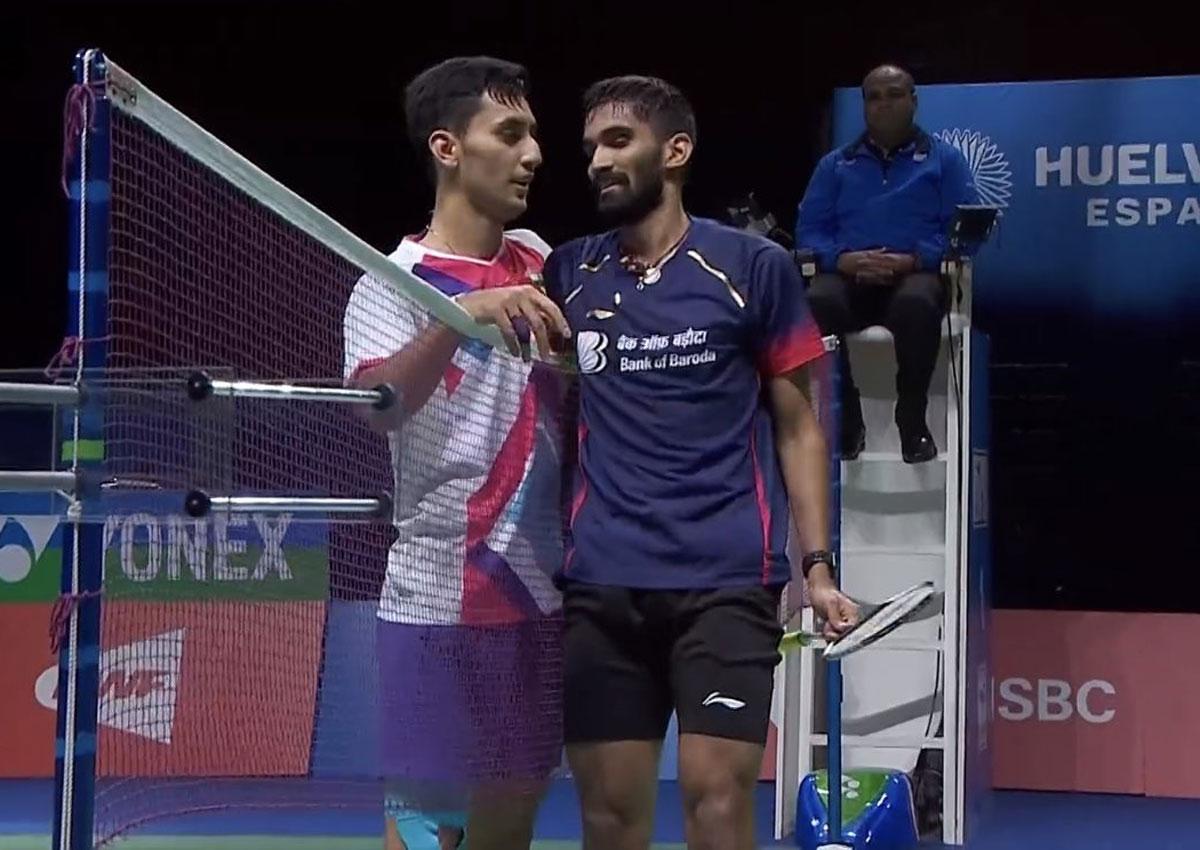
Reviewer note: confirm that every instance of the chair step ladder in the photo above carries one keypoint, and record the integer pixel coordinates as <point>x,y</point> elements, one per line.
<point>900,524</point>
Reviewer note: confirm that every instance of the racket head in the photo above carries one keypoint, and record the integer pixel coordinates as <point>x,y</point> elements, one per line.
<point>881,621</point>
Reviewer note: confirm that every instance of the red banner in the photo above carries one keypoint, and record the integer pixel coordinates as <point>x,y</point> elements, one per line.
<point>186,688</point>
<point>1067,709</point>
<point>26,730</point>
<point>1097,702</point>
<point>1167,655</point>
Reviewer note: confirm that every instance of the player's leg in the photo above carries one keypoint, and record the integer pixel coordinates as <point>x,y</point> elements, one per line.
<point>617,782</point>
<point>421,718</point>
<point>517,684</point>
<point>718,777</point>
<point>914,315</point>
<point>616,708</point>
<point>502,819</point>
<point>722,671</point>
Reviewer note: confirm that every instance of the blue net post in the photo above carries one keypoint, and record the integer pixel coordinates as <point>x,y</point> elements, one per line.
<point>833,679</point>
<point>77,620</point>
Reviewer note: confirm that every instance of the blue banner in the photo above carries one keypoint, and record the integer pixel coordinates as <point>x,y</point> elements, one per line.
<point>1098,182</point>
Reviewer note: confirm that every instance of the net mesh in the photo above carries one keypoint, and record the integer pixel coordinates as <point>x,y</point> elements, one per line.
<point>270,660</point>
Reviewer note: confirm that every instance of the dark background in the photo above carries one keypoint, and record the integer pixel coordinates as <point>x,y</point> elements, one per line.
<point>1095,441</point>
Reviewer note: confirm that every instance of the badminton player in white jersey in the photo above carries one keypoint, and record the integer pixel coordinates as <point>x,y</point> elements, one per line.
<point>469,622</point>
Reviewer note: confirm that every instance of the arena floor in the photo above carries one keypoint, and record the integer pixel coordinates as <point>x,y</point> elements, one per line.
<point>1017,821</point>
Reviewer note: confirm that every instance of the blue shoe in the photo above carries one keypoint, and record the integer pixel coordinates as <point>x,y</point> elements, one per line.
<point>419,830</point>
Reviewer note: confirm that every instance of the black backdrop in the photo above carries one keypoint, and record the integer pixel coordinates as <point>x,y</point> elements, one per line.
<point>1092,491</point>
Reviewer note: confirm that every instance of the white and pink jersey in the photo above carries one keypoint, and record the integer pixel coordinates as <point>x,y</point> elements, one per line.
<point>477,469</point>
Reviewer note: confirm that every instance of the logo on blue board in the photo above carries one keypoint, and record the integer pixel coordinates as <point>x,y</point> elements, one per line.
<point>990,168</point>
<point>23,539</point>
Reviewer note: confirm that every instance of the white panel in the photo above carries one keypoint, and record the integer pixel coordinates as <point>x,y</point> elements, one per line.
<point>891,694</point>
<point>892,503</point>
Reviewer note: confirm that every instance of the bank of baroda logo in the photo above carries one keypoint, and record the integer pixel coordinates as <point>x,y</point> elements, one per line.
<point>589,349</point>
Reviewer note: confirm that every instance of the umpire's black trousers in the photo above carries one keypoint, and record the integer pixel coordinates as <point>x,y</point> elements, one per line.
<point>911,307</point>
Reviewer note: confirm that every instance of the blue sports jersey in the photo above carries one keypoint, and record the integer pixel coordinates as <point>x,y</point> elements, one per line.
<point>678,484</point>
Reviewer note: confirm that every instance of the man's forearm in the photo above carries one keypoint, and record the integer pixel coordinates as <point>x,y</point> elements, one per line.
<point>804,460</point>
<point>413,372</point>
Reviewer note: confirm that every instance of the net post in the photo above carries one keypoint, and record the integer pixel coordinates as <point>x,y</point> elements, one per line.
<point>82,541</point>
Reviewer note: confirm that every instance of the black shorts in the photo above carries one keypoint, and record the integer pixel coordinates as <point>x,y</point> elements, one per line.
<point>633,656</point>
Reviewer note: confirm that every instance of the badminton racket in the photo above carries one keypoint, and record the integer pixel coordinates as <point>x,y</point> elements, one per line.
<point>875,623</point>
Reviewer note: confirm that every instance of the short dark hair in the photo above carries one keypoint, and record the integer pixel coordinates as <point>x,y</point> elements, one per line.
<point>651,99</point>
<point>446,96</point>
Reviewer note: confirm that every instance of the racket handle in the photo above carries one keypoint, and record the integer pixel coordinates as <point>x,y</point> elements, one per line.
<point>798,640</point>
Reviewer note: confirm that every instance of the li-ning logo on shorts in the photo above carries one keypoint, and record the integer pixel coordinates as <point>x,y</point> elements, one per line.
<point>715,698</point>
<point>589,349</point>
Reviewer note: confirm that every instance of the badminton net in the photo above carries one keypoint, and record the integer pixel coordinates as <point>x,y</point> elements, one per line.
<point>242,662</point>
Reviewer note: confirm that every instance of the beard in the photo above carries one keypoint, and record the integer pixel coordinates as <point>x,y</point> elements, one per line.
<point>634,201</point>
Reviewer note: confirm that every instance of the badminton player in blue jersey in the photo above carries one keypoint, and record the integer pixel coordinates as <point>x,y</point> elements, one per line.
<point>695,433</point>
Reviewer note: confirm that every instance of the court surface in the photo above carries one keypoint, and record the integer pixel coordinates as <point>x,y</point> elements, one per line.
<point>25,807</point>
<point>1018,820</point>
<point>253,842</point>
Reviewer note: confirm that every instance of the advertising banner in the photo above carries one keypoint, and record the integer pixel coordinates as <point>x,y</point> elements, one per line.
<point>186,688</point>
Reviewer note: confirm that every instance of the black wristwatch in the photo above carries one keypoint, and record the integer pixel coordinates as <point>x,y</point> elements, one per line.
<point>820,556</point>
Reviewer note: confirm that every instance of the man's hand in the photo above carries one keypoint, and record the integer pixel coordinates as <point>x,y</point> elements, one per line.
<point>504,305</point>
<point>838,610</point>
<point>857,263</point>
<point>877,266</point>
<point>898,264</point>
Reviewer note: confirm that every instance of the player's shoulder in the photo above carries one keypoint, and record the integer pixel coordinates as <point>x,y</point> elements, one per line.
<point>529,239</point>
<point>369,289</point>
<point>590,252</point>
<point>408,253</point>
<point>709,231</point>
<point>587,248</point>
<point>405,255</point>
<point>732,249</point>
